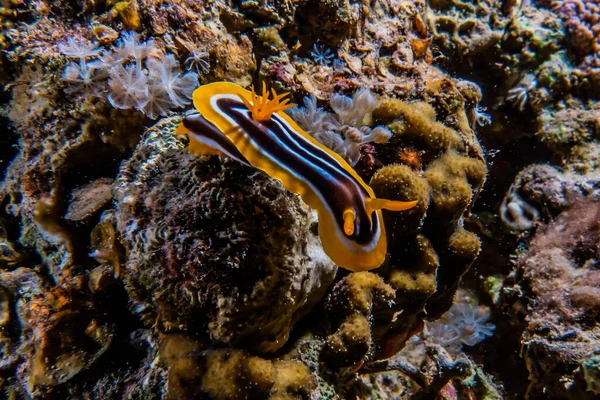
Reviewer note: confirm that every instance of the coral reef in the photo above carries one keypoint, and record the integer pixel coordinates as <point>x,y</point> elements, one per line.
<point>132,269</point>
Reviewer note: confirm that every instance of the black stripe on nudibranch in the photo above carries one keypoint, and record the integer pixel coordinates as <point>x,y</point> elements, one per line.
<point>208,134</point>
<point>338,189</point>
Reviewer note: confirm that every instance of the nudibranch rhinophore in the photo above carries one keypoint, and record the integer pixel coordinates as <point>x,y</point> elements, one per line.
<point>254,130</point>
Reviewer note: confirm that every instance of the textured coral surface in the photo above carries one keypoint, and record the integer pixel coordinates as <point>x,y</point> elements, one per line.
<point>561,277</point>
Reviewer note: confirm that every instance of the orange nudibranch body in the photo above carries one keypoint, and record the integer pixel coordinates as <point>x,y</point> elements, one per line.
<point>254,130</point>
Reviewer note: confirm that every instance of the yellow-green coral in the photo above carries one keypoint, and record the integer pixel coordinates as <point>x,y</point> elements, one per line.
<point>453,180</point>
<point>234,374</point>
<point>418,278</point>
<point>351,305</point>
<point>416,122</point>
<point>349,345</point>
<point>359,290</point>
<point>400,182</point>
<point>231,374</point>
<point>293,381</point>
<point>464,245</point>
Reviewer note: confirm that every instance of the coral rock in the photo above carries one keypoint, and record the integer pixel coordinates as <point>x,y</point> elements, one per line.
<point>561,282</point>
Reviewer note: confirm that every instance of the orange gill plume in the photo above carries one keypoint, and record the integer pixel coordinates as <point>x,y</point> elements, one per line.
<point>262,107</point>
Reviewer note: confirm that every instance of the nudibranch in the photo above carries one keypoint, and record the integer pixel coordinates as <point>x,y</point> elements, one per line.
<point>254,130</point>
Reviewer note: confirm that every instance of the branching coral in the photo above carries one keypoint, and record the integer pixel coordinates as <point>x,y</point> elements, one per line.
<point>347,128</point>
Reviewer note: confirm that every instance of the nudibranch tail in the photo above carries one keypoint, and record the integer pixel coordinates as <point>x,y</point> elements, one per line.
<point>253,129</point>
<point>261,107</point>
<point>374,204</point>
